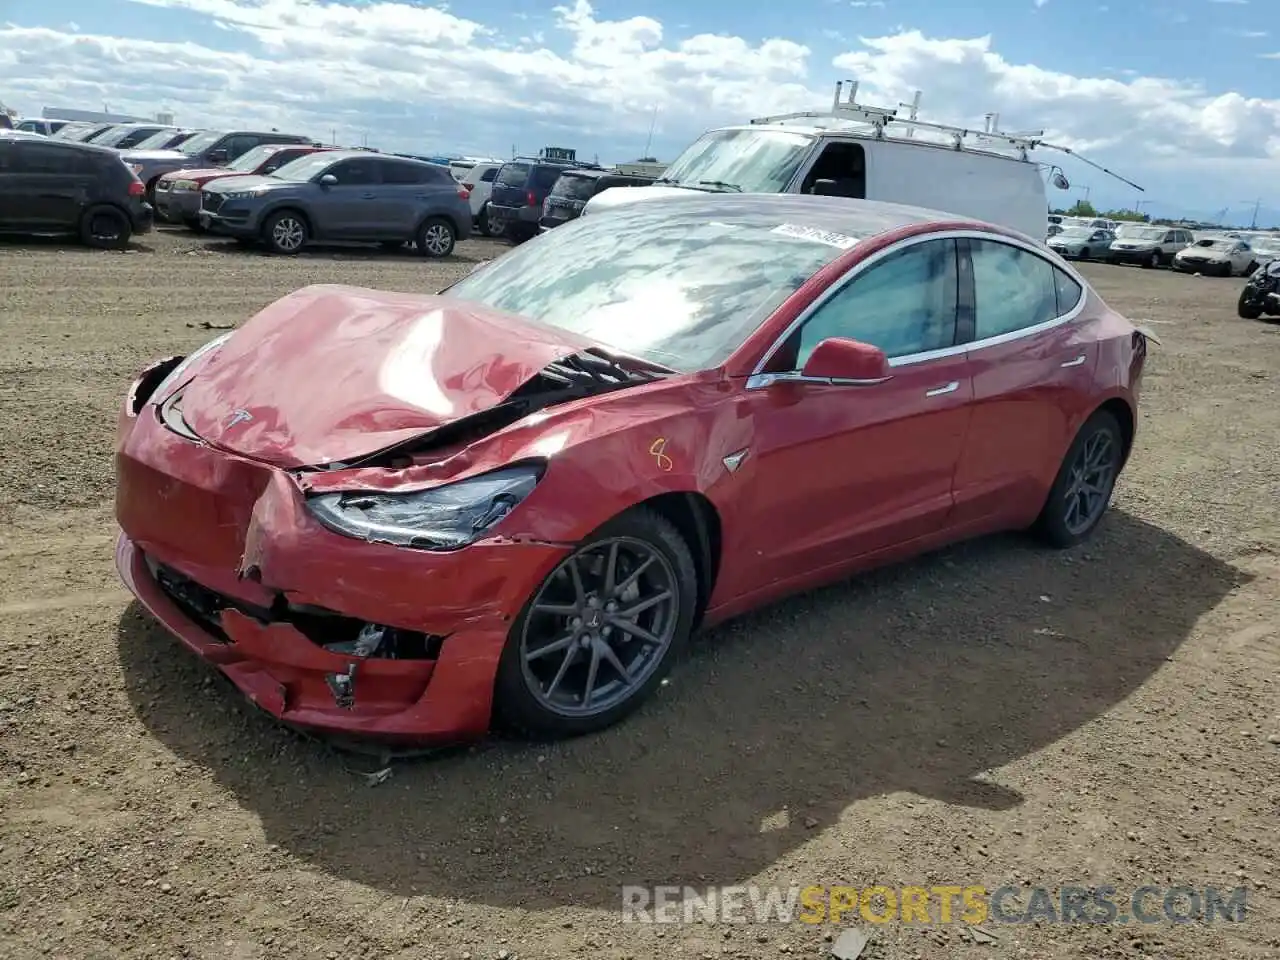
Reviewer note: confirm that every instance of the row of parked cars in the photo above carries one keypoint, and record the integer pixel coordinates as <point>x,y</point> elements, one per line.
<point>279,189</point>
<point>1152,245</point>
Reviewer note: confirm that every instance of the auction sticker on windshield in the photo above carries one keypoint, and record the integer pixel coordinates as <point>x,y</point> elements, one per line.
<point>818,236</point>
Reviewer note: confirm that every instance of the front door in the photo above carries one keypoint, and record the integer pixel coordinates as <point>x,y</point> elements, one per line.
<point>844,471</point>
<point>349,208</point>
<point>1033,366</point>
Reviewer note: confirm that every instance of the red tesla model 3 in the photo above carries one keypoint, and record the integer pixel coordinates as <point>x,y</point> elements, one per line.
<point>402,516</point>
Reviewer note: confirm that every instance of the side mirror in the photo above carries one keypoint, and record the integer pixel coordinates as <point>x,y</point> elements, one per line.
<point>328,180</point>
<point>1059,181</point>
<point>218,157</point>
<point>847,361</point>
<point>824,188</point>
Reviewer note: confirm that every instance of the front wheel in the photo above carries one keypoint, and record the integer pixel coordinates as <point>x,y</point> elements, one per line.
<point>1082,490</point>
<point>602,630</point>
<point>105,228</point>
<point>285,233</point>
<point>1154,261</point>
<point>1246,308</point>
<point>1085,254</point>
<point>436,238</point>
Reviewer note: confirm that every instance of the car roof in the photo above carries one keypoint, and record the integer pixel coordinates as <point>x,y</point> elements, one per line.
<point>348,154</point>
<point>58,143</point>
<point>832,214</point>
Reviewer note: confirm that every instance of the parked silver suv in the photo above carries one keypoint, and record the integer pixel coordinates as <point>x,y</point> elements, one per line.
<point>342,195</point>
<point>1147,245</point>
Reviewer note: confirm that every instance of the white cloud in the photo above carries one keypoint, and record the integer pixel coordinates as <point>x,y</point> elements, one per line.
<point>418,78</point>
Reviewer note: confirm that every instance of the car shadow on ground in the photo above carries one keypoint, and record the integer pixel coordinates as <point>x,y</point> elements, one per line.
<point>917,678</point>
<point>44,243</point>
<point>465,251</point>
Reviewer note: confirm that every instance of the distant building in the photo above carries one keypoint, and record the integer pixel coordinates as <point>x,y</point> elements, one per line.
<point>89,116</point>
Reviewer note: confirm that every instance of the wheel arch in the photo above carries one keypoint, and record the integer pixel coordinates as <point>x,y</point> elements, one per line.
<point>697,520</point>
<point>446,217</point>
<point>289,206</point>
<point>1119,408</point>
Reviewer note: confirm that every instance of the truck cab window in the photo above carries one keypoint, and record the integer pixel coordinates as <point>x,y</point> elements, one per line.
<point>843,163</point>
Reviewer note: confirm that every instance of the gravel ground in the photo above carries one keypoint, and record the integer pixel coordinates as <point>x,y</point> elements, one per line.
<point>993,714</point>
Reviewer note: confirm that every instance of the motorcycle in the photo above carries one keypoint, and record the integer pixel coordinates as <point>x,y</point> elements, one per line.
<point>1262,293</point>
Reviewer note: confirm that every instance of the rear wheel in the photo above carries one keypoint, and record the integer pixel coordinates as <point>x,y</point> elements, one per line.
<point>105,228</point>
<point>1247,309</point>
<point>436,238</point>
<point>602,630</point>
<point>1082,490</point>
<point>489,225</point>
<point>1154,261</point>
<point>285,232</point>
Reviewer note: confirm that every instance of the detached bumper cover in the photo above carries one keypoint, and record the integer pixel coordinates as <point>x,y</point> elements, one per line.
<point>239,531</point>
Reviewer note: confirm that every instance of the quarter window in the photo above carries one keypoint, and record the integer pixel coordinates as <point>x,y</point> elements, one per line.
<point>1013,288</point>
<point>904,304</point>
<point>488,175</point>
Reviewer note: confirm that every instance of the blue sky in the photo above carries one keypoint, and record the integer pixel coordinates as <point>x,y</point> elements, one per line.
<point>1180,95</point>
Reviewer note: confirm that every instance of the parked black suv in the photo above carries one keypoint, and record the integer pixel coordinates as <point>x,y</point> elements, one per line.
<point>61,186</point>
<point>518,192</point>
<point>576,187</point>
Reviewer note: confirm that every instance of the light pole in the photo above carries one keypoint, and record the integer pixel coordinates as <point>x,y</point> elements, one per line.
<point>1253,224</point>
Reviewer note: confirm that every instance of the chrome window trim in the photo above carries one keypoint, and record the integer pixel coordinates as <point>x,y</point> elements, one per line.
<point>953,351</point>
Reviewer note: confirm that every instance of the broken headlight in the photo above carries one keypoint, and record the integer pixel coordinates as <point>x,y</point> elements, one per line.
<point>442,518</point>
<point>175,375</point>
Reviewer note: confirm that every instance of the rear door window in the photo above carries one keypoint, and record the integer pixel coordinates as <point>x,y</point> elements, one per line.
<point>402,174</point>
<point>489,175</point>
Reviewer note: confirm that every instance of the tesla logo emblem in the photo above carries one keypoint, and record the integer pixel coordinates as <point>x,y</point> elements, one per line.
<point>239,416</point>
<point>659,453</point>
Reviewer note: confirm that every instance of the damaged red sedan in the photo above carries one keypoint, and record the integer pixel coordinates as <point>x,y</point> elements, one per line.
<point>405,516</point>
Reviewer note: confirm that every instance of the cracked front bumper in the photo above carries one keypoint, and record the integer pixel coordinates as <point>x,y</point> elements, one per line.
<point>239,531</point>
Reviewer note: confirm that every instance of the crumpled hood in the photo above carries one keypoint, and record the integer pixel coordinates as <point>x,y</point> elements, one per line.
<point>1209,253</point>
<point>252,182</point>
<point>330,373</point>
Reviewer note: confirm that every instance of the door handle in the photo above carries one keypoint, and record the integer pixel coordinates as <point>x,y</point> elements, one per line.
<point>951,387</point>
<point>1074,363</point>
<point>370,196</point>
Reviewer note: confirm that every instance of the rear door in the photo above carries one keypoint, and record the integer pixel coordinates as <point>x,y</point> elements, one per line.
<point>52,184</point>
<point>1033,357</point>
<point>404,197</point>
<point>510,186</point>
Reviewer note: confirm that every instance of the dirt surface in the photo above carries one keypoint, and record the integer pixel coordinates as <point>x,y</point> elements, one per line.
<point>994,714</point>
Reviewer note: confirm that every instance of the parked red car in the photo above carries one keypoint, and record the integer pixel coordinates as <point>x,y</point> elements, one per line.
<point>177,194</point>
<point>396,515</point>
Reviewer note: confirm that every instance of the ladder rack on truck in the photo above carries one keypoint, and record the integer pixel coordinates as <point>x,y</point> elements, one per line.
<point>880,118</point>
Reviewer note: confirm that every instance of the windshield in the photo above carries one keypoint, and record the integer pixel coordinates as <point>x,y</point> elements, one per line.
<point>164,140</point>
<point>749,161</point>
<point>571,187</point>
<point>304,168</point>
<point>1142,233</point>
<point>683,289</point>
<point>1082,232</point>
<point>112,137</point>
<point>200,142</point>
<point>252,159</point>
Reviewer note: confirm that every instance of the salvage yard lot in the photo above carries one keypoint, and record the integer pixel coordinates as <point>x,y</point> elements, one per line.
<point>993,714</point>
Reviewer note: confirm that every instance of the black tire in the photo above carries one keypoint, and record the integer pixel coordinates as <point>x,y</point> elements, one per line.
<point>105,228</point>
<point>436,238</point>
<point>194,225</point>
<point>150,196</point>
<point>286,232</point>
<point>1246,310</point>
<point>482,222</point>
<point>1154,262</point>
<point>1054,525</point>
<point>519,709</point>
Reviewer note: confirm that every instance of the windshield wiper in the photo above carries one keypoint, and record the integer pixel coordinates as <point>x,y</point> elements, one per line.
<point>719,185</point>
